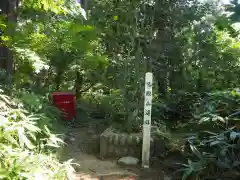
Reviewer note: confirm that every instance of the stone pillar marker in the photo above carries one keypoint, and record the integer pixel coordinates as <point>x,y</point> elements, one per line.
<point>147,120</point>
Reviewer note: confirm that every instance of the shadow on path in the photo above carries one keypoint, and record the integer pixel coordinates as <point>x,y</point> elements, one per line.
<point>83,146</point>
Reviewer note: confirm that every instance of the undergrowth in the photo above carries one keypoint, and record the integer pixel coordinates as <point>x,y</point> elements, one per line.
<point>212,149</point>
<point>27,144</point>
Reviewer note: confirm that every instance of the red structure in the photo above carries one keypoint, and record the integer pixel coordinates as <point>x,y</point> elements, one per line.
<point>66,102</point>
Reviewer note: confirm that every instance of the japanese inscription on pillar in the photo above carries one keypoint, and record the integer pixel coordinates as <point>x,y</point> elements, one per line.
<point>147,120</point>
<point>148,99</point>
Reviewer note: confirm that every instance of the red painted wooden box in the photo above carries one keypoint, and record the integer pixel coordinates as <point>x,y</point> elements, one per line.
<point>66,102</point>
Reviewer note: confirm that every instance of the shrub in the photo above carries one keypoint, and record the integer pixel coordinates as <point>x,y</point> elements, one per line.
<point>215,150</point>
<point>26,143</point>
<point>222,103</point>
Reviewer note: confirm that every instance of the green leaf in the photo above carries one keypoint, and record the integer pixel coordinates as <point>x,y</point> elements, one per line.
<point>3,120</point>
<point>53,140</point>
<point>213,143</point>
<point>3,173</point>
<point>32,118</point>
<point>23,140</point>
<point>53,145</point>
<point>5,98</point>
<point>11,139</point>
<point>236,45</point>
<point>83,13</point>
<point>32,135</point>
<point>187,174</point>
<point>205,119</point>
<point>209,132</point>
<point>196,152</point>
<point>31,127</point>
<point>115,18</point>
<point>2,26</point>
<point>5,38</point>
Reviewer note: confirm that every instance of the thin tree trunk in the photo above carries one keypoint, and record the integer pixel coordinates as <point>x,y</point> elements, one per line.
<point>58,80</point>
<point>9,8</point>
<point>78,84</point>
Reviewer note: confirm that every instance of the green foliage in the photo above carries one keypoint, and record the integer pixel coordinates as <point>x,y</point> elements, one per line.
<point>234,8</point>
<point>108,105</point>
<point>64,47</point>
<point>214,149</point>
<point>221,103</point>
<point>54,6</point>
<point>25,140</point>
<point>191,47</point>
<point>192,53</point>
<point>3,76</point>
<point>189,54</point>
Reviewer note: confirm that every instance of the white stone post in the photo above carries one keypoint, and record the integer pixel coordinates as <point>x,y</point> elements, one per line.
<point>147,120</point>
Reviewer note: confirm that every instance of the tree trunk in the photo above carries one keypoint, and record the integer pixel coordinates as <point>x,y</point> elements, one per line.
<point>84,4</point>
<point>78,84</point>
<point>9,8</point>
<point>58,80</point>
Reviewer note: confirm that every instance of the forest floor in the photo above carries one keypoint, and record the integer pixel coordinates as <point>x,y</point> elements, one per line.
<point>83,146</point>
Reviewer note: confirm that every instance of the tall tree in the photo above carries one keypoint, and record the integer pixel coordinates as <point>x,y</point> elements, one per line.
<point>9,9</point>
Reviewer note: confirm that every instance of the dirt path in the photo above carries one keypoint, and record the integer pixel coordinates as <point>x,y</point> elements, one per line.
<point>83,147</point>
